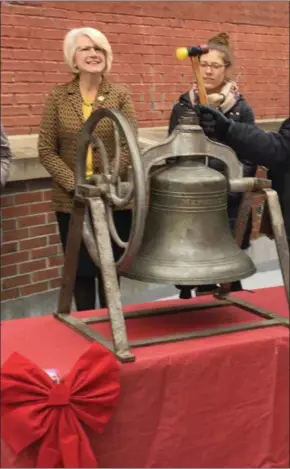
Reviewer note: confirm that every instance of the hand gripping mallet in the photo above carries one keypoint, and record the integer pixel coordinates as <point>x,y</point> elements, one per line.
<point>194,52</point>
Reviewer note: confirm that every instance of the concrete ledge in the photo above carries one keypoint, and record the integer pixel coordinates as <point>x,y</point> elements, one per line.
<point>26,166</point>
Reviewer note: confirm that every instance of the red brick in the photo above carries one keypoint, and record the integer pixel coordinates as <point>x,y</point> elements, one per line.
<point>14,258</point>
<point>42,207</point>
<point>28,98</point>
<point>9,247</point>
<point>42,230</point>
<point>54,12</point>
<point>32,243</point>
<point>21,110</point>
<point>11,43</point>
<point>15,282</point>
<point>34,288</point>
<point>15,211</point>
<point>46,274</point>
<point>14,88</point>
<point>9,271</point>
<point>54,239</point>
<point>9,294</point>
<point>7,201</point>
<point>7,77</point>
<point>32,266</point>
<point>34,220</point>
<point>21,120</point>
<point>13,65</point>
<point>15,31</point>
<point>52,55</point>
<point>29,77</point>
<point>15,235</point>
<point>28,198</point>
<point>44,252</point>
<point>8,225</point>
<point>55,261</point>
<point>15,130</point>
<point>36,109</point>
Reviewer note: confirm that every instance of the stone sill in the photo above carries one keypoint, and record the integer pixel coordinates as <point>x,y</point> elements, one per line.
<point>26,166</point>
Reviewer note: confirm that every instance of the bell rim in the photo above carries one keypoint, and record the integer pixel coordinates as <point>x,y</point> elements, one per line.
<point>192,281</point>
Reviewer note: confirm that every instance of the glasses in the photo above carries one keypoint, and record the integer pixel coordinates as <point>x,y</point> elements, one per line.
<point>88,49</point>
<point>213,66</point>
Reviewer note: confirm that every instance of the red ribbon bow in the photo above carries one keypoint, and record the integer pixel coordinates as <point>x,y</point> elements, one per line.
<point>36,410</point>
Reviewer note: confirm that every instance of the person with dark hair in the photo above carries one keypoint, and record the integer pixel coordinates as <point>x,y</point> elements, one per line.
<point>223,94</point>
<point>269,149</point>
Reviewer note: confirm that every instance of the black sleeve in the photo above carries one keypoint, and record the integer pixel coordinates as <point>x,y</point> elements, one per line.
<point>173,120</point>
<point>247,114</point>
<point>285,128</point>
<point>262,148</point>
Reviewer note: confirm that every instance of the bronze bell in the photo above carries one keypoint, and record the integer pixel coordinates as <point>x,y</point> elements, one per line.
<point>180,231</point>
<point>187,238</point>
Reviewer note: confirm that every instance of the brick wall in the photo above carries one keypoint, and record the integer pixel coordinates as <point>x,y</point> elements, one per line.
<point>31,255</point>
<point>144,36</point>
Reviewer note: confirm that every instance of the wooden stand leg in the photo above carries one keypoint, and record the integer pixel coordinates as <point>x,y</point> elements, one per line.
<point>109,275</point>
<point>272,206</point>
<point>71,257</point>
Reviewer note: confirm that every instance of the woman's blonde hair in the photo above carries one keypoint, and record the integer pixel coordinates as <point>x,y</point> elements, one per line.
<point>98,39</point>
<point>221,43</point>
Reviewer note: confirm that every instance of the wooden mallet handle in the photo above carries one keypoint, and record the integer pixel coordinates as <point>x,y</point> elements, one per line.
<point>199,80</point>
<point>194,52</point>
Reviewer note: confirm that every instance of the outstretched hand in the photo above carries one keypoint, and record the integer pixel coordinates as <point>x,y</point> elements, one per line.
<point>213,122</point>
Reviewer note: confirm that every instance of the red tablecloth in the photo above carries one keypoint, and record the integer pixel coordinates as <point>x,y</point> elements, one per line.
<point>216,402</point>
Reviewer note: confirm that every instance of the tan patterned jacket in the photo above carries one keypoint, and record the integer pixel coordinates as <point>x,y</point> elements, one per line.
<point>61,123</point>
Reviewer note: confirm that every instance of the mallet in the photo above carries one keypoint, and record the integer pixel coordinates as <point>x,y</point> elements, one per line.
<point>194,52</point>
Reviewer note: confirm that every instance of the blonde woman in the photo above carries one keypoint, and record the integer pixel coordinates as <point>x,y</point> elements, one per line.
<point>224,95</point>
<point>89,56</point>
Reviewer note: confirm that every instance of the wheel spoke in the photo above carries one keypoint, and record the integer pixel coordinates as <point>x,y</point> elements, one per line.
<point>121,202</point>
<point>112,228</point>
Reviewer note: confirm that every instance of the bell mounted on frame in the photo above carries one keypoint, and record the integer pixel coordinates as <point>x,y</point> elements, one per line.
<point>187,238</point>
<point>180,231</point>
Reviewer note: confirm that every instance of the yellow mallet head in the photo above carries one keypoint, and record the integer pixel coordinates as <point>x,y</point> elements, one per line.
<point>182,53</point>
<point>192,51</point>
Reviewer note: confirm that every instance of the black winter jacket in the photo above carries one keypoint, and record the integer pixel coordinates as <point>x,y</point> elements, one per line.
<point>270,149</point>
<point>240,112</point>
